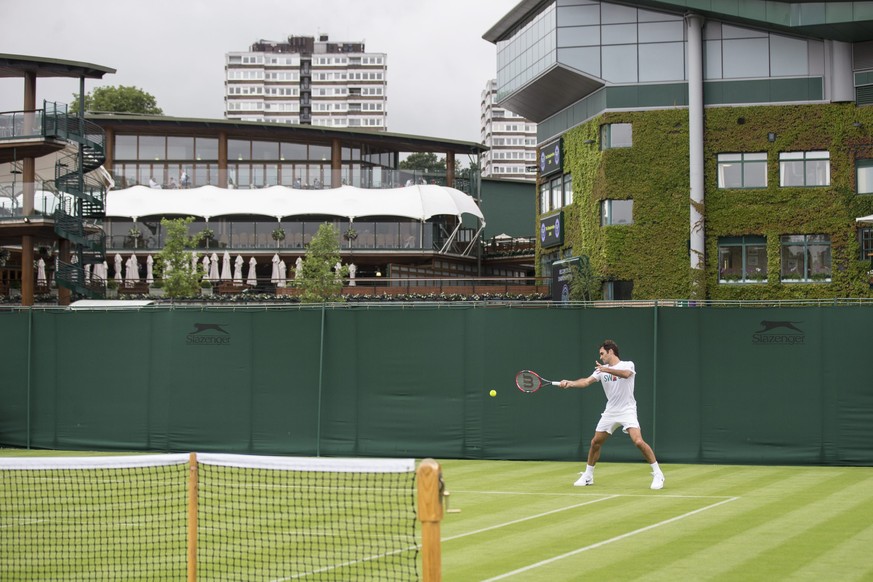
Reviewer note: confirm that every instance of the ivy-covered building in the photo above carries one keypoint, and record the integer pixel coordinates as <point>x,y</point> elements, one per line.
<point>713,149</point>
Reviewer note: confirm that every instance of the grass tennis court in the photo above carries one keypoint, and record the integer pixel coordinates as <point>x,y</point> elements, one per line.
<point>525,521</point>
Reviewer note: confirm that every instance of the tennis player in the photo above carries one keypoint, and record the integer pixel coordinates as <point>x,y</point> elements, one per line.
<point>617,377</point>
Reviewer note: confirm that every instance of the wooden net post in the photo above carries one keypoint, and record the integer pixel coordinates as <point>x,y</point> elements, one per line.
<point>430,512</point>
<point>192,518</point>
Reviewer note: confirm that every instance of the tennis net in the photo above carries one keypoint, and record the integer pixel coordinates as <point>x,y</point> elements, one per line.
<point>207,517</point>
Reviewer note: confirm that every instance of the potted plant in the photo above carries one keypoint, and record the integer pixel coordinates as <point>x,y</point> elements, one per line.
<point>278,234</point>
<point>350,234</point>
<point>111,289</point>
<point>134,232</point>
<point>206,287</point>
<point>206,235</point>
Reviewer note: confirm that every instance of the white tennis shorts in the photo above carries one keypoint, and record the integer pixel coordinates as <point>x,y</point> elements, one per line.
<point>608,423</point>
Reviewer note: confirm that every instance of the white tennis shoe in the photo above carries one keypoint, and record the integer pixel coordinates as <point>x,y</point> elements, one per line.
<point>584,480</point>
<point>657,480</point>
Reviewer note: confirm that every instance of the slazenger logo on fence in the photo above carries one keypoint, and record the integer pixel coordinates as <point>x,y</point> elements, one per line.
<point>208,334</point>
<point>779,333</point>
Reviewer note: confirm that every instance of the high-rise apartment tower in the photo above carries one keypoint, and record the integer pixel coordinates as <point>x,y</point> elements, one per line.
<point>308,81</point>
<point>512,140</point>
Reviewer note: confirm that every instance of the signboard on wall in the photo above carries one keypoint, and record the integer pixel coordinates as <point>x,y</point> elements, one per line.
<point>562,275</point>
<point>552,230</point>
<point>552,157</point>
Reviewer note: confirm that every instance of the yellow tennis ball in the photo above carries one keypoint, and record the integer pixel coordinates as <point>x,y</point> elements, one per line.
<point>493,393</point>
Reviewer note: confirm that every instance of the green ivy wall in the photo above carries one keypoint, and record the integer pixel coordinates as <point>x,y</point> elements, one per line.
<point>653,252</point>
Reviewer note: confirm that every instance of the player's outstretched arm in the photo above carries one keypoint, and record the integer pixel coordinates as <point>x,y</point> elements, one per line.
<point>580,383</point>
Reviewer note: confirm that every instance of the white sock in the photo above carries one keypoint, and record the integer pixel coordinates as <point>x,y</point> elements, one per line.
<point>656,469</point>
<point>589,470</point>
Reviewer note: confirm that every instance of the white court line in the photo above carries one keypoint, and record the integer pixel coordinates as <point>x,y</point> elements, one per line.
<point>513,522</point>
<point>609,541</point>
<point>574,494</point>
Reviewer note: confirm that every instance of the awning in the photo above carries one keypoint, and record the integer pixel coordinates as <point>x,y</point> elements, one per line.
<point>419,202</point>
<point>865,219</point>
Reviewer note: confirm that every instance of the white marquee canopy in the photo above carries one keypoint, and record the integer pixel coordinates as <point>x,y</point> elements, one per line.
<point>416,202</point>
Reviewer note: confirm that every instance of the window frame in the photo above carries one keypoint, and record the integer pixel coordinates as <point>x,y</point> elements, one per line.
<point>607,139</point>
<point>863,164</point>
<point>807,276</point>
<point>804,159</point>
<point>745,243</point>
<point>607,212</point>
<point>745,161</point>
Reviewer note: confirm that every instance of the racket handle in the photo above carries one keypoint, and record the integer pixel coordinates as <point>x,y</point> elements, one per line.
<point>556,383</point>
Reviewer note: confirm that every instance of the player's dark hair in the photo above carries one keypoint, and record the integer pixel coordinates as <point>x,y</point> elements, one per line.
<point>610,345</point>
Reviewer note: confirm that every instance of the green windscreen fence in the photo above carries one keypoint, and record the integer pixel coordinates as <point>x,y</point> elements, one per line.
<point>715,385</point>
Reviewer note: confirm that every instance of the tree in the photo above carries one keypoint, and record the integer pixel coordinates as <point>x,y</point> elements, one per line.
<point>585,284</point>
<point>180,277</point>
<point>428,163</point>
<point>318,282</point>
<point>119,99</point>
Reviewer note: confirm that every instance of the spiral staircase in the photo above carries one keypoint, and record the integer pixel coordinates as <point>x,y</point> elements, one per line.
<point>81,209</point>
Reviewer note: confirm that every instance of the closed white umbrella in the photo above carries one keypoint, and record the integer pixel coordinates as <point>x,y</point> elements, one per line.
<point>237,271</point>
<point>283,274</point>
<point>213,267</point>
<point>298,268</point>
<point>119,276</point>
<point>150,263</point>
<point>40,274</point>
<point>104,271</point>
<point>88,273</point>
<point>205,267</point>
<point>194,261</point>
<point>226,274</point>
<point>253,274</point>
<point>133,269</point>
<point>274,276</point>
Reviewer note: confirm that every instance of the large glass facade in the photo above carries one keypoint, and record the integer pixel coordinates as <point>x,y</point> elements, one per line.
<point>623,44</point>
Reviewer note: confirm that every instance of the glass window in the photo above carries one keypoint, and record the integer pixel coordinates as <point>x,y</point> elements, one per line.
<point>742,259</point>
<point>319,153</point>
<point>788,56</point>
<point>749,57</point>
<point>206,148</point>
<point>125,147</point>
<point>238,149</point>
<point>618,290</point>
<point>806,257</point>
<point>616,212</point>
<point>864,176</point>
<point>152,147</point>
<point>293,151</point>
<point>180,148</point>
<point>662,62</point>
<point>804,168</point>
<point>616,135</point>
<point>544,197</point>
<point>265,150</point>
<point>866,240</point>
<point>747,170</point>
<point>568,189</point>
<point>557,192</point>
<point>620,63</point>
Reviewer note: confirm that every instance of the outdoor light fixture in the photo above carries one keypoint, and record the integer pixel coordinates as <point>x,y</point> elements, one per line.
<point>588,141</point>
<point>858,124</point>
<point>771,136</point>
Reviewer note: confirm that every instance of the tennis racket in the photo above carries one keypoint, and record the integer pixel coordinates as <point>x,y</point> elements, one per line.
<point>530,382</point>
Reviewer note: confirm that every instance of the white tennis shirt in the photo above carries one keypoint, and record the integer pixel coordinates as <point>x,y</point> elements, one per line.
<point>619,391</point>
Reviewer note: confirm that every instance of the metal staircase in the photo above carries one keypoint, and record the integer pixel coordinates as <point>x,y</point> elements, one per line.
<point>81,210</point>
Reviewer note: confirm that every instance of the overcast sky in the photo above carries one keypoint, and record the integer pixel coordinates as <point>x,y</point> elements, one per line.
<point>438,63</point>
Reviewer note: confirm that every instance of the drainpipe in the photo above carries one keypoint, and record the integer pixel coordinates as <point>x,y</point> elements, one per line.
<point>697,234</point>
